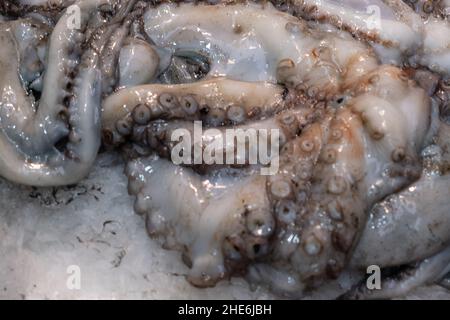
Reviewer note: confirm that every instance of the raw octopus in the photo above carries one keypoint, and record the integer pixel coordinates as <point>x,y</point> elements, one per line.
<point>361,105</point>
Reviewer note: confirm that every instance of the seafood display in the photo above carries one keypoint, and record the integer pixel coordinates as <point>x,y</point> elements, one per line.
<point>292,143</point>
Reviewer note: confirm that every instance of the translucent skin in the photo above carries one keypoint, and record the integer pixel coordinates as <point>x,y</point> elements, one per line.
<point>400,34</point>
<point>353,130</point>
<point>29,156</point>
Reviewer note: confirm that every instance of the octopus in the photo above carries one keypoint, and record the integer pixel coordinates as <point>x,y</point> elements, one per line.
<point>358,92</point>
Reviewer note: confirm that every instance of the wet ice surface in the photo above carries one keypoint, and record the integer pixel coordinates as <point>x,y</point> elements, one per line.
<point>93,226</point>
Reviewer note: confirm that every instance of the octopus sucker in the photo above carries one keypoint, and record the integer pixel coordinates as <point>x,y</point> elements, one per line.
<point>200,99</point>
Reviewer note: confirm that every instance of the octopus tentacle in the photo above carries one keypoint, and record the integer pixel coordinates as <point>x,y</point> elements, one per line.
<point>292,192</point>
<point>35,160</point>
<point>398,35</point>
<point>279,278</point>
<point>17,110</point>
<point>434,33</point>
<point>64,54</point>
<point>356,19</point>
<point>217,101</point>
<point>31,37</point>
<point>402,215</point>
<point>225,236</point>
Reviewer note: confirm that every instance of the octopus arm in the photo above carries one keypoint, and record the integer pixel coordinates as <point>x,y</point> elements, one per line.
<point>63,53</point>
<point>216,101</point>
<point>31,157</point>
<point>394,28</point>
<point>219,225</point>
<point>434,32</point>
<point>407,226</point>
<point>244,144</point>
<point>18,115</point>
<point>359,18</point>
<point>57,168</point>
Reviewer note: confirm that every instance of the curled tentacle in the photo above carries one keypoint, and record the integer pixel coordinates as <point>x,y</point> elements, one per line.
<point>31,156</point>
